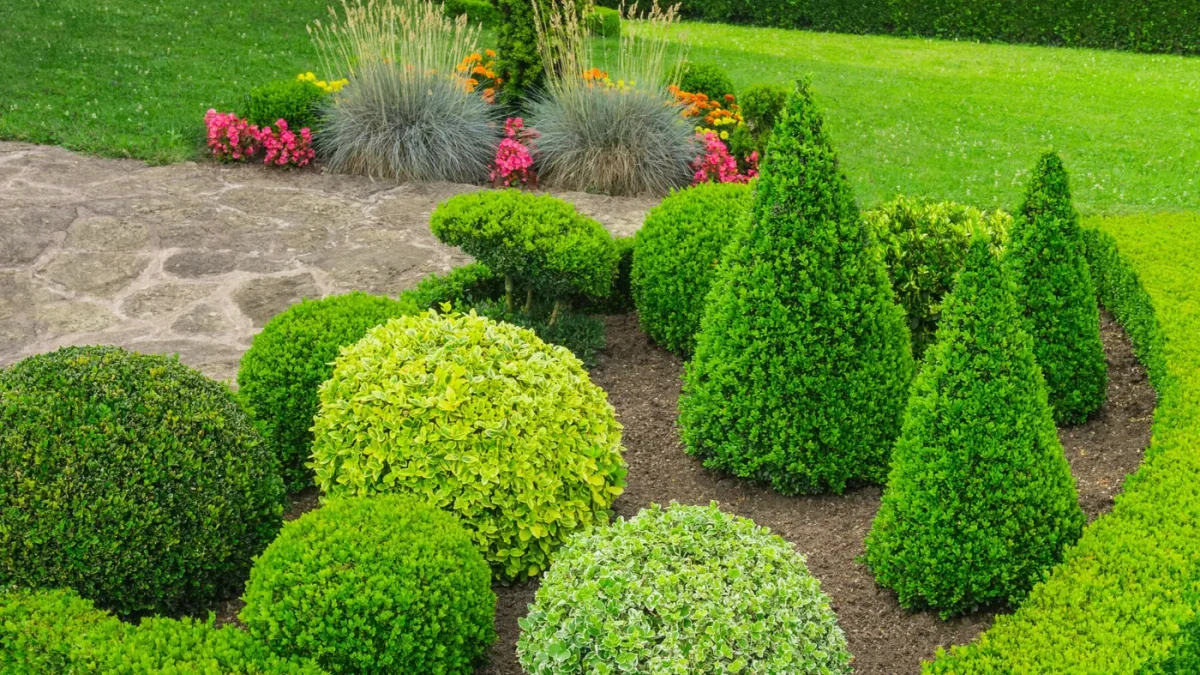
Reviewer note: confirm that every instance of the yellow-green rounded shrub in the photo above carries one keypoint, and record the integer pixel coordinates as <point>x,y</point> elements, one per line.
<point>477,417</point>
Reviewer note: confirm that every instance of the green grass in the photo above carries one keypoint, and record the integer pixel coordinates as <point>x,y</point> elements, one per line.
<point>949,120</point>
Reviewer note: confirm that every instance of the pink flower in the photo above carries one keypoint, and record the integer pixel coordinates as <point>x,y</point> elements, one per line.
<point>514,156</point>
<point>230,137</point>
<point>716,164</point>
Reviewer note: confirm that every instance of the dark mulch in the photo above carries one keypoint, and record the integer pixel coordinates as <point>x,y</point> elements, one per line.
<point>643,384</point>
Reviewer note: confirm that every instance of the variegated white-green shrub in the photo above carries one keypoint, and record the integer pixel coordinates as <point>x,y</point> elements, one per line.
<point>477,417</point>
<point>686,590</point>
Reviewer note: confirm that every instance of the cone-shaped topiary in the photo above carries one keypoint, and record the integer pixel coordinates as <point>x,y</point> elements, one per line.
<point>1056,293</point>
<point>980,500</point>
<point>802,364</point>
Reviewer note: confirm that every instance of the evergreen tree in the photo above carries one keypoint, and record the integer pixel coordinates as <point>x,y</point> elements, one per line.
<point>1057,296</point>
<point>980,499</point>
<point>520,64</point>
<point>803,361</point>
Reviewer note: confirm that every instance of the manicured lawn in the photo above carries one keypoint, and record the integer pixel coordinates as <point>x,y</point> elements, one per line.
<point>949,120</point>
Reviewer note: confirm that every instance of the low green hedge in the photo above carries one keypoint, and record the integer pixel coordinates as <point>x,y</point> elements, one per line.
<point>603,22</point>
<point>1146,26</point>
<point>477,11</point>
<point>1118,600</point>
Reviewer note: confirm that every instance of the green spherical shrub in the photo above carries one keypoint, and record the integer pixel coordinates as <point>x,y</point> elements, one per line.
<point>477,11</point>
<point>130,478</point>
<point>290,358</point>
<point>380,584</point>
<point>802,364</point>
<point>40,629</point>
<point>460,287</point>
<point>603,22</point>
<point>686,589</point>
<point>705,78</point>
<point>1057,295</point>
<point>980,501</point>
<point>923,245</point>
<point>678,249</point>
<point>296,101</point>
<point>761,106</point>
<point>538,242</point>
<point>477,417</point>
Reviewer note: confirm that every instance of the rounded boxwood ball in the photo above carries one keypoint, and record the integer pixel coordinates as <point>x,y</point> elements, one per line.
<point>686,589</point>
<point>477,417</point>
<point>292,356</point>
<point>130,478</point>
<point>676,255</point>
<point>380,584</point>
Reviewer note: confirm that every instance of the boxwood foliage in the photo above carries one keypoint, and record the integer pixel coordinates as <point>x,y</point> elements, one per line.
<point>761,105</point>
<point>603,22</point>
<point>290,358</point>
<point>978,473</point>
<point>1119,598</point>
<point>924,244</point>
<point>477,11</point>
<point>133,479</point>
<point>698,77</point>
<point>520,63</point>
<point>296,101</point>
<point>802,364</point>
<point>38,629</point>
<point>1056,293</point>
<point>480,418</point>
<point>686,589</point>
<point>538,242</point>
<point>678,249</point>
<point>460,287</point>
<point>382,584</point>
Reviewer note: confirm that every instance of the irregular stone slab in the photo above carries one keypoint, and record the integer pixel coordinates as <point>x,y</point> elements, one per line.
<point>261,299</point>
<point>203,319</point>
<point>95,273</point>
<point>197,264</point>
<point>163,299</point>
<point>17,296</point>
<point>105,233</point>
<point>292,206</point>
<point>380,270</point>
<point>27,231</point>
<point>66,318</point>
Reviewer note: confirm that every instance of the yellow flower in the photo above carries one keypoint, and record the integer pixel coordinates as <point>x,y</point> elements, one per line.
<point>724,135</point>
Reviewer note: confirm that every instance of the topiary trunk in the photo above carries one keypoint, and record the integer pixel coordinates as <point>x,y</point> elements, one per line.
<point>1057,296</point>
<point>980,500</point>
<point>803,362</point>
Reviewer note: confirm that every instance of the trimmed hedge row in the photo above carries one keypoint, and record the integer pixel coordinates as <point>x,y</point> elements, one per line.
<point>1146,26</point>
<point>1120,597</point>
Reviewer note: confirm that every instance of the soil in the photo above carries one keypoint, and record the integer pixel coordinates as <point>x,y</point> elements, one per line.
<point>643,384</point>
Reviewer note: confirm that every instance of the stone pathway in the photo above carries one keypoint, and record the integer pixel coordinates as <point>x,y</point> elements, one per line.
<point>192,259</point>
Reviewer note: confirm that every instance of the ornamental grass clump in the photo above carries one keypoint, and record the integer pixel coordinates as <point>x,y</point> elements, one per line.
<point>372,586</point>
<point>479,418</point>
<point>407,113</point>
<point>980,501</point>
<point>1057,295</point>
<point>676,259</point>
<point>802,364</point>
<point>686,589</point>
<point>618,132</point>
<point>131,478</point>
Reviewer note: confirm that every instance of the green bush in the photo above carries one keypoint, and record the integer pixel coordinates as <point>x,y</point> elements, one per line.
<point>461,287</point>
<point>978,473</point>
<point>1057,295</point>
<point>519,63</point>
<point>620,298</point>
<point>761,106</point>
<point>477,11</point>
<point>686,589</point>
<point>603,22</point>
<point>581,333</point>
<point>536,241</point>
<point>705,78</point>
<point>296,101</point>
<point>1150,26</point>
<point>802,363</point>
<point>924,245</point>
<point>480,418</point>
<point>1119,598</point>
<point>678,249</point>
<point>378,584</point>
<point>290,358</point>
<point>132,479</point>
<point>39,630</point>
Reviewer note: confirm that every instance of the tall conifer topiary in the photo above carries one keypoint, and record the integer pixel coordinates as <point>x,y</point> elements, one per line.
<point>803,363</point>
<point>1056,293</point>
<point>980,500</point>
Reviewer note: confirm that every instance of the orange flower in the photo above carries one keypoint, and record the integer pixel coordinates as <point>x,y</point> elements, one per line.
<point>491,54</point>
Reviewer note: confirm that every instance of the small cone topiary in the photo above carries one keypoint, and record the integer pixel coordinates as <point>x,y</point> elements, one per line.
<point>1056,293</point>
<point>980,500</point>
<point>803,362</point>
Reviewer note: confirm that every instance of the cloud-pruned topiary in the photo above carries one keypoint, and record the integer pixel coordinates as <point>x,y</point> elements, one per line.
<point>686,589</point>
<point>924,244</point>
<point>374,585</point>
<point>802,364</point>
<point>980,501</point>
<point>480,418</point>
<point>290,358</point>
<point>1057,295</point>
<point>130,478</point>
<point>677,251</point>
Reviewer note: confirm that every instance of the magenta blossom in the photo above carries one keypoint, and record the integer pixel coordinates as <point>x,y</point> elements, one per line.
<point>514,156</point>
<point>717,165</point>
